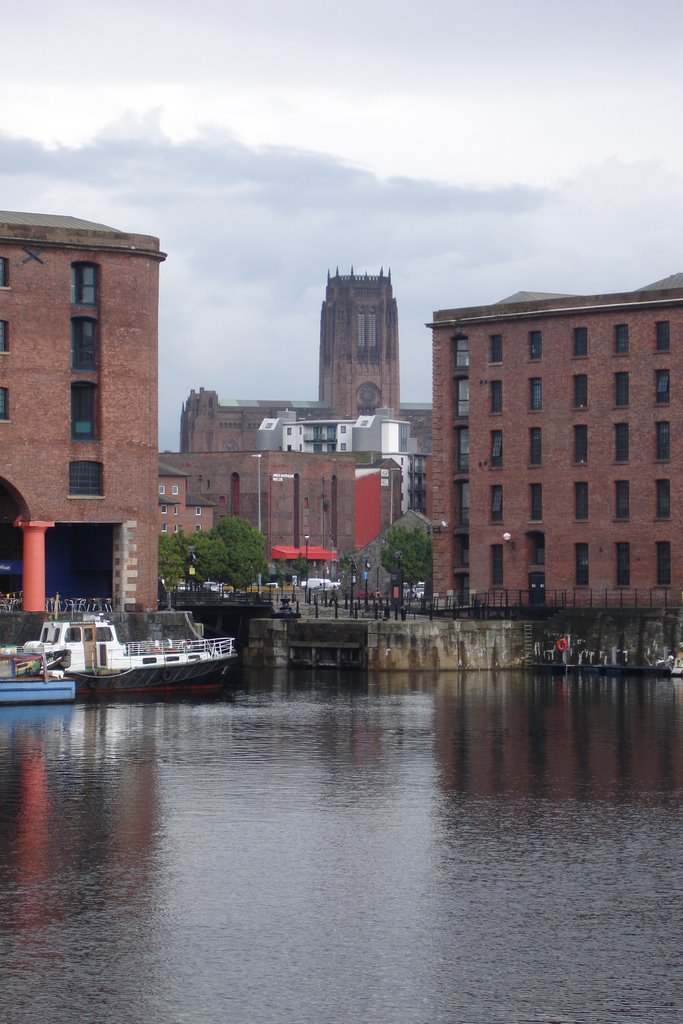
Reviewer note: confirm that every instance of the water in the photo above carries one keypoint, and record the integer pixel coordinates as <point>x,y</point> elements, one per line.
<point>489,848</point>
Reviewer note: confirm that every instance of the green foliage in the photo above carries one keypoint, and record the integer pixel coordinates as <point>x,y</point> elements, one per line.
<point>416,553</point>
<point>172,557</point>
<point>211,556</point>
<point>245,553</point>
<point>281,570</point>
<point>300,567</point>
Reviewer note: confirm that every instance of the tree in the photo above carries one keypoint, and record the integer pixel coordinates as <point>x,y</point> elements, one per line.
<point>244,551</point>
<point>415,548</point>
<point>172,557</point>
<point>211,556</point>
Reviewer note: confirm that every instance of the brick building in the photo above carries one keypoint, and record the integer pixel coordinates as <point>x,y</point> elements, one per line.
<point>78,410</point>
<point>557,429</point>
<point>359,371</point>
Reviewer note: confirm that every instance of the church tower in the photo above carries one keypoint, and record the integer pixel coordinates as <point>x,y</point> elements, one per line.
<point>359,363</point>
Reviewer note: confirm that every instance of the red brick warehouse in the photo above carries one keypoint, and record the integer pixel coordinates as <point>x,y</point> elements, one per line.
<point>557,445</point>
<point>78,410</point>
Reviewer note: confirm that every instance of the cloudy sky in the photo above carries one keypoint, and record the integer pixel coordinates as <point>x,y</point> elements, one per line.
<point>475,149</point>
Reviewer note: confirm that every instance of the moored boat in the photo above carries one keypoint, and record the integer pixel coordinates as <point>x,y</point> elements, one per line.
<point>25,679</point>
<point>677,664</point>
<point>90,650</point>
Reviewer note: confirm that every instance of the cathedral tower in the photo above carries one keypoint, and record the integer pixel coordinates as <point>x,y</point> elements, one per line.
<point>359,363</point>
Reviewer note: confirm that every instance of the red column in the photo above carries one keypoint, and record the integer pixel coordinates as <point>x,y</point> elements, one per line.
<point>34,564</point>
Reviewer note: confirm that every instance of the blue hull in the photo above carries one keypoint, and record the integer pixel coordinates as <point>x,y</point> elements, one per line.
<point>35,691</point>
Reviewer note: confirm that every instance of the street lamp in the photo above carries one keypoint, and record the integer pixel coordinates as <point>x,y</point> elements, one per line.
<point>307,537</point>
<point>259,503</point>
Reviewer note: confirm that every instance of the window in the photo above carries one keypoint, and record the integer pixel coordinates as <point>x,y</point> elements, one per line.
<point>164,510</point>
<point>663,498</point>
<point>580,341</point>
<point>535,393</point>
<point>535,446</point>
<point>535,501</point>
<point>197,510</point>
<point>663,446</point>
<point>85,478</point>
<point>621,339</point>
<point>581,443</point>
<point>164,527</point>
<point>663,563</point>
<point>535,344</point>
<point>496,348</point>
<point>662,386</point>
<point>83,284</point>
<point>662,336</point>
<point>174,489</point>
<point>581,500</point>
<point>581,564</point>
<point>83,411</point>
<point>83,343</point>
<point>496,503</point>
<point>497,565</point>
<point>162,488</point>
<point>496,396</point>
<point>175,510</point>
<point>621,499</point>
<point>462,351</point>
<point>462,396</point>
<point>621,388</point>
<point>4,404</point>
<point>463,491</point>
<point>580,391</point>
<point>4,272</point>
<point>463,450</point>
<point>496,448</point>
<point>176,528</point>
<point>198,528</point>
<point>621,442</point>
<point>4,336</point>
<point>623,554</point>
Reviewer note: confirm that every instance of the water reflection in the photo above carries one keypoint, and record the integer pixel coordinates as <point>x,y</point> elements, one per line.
<point>323,848</point>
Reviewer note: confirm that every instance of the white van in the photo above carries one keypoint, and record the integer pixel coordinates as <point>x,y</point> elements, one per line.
<point>318,583</point>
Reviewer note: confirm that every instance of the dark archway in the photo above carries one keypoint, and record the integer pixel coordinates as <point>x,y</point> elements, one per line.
<point>12,507</point>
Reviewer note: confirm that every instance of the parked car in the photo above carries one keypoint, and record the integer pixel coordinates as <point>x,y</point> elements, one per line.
<point>318,583</point>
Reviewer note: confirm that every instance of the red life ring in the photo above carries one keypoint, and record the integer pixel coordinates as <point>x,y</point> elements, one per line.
<point>562,644</point>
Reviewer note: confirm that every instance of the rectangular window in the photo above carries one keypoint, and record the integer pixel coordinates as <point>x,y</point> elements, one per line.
<point>581,443</point>
<point>581,564</point>
<point>663,499</point>
<point>581,500</point>
<point>4,272</point>
<point>4,336</point>
<point>621,339</point>
<point>623,555</point>
<point>496,395</point>
<point>580,391</point>
<point>497,565</point>
<point>536,501</point>
<point>621,442</point>
<point>463,490</point>
<point>4,404</point>
<point>197,510</point>
<point>535,344</point>
<point>83,343</point>
<point>164,527</point>
<point>621,382</point>
<point>535,393</point>
<point>621,499</point>
<point>162,488</point>
<point>463,450</point>
<point>663,563</point>
<point>83,412</point>
<point>496,448</point>
<point>580,341</point>
<point>164,510</point>
<point>463,396</point>
<point>176,528</point>
<point>535,446</point>
<point>85,478</point>
<point>83,284</point>
<point>496,503</point>
<point>198,528</point>
<point>496,348</point>
<point>462,352</point>
<point>174,489</point>
<point>662,342</point>
<point>663,445</point>
<point>662,386</point>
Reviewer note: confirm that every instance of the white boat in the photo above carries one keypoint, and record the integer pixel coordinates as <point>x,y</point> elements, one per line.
<point>90,650</point>
<point>677,664</point>
<point>25,679</point>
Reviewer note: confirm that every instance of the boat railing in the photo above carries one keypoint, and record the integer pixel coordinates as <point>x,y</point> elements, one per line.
<point>220,647</point>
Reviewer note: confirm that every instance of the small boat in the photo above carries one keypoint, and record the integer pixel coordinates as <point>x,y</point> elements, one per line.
<point>90,650</point>
<point>25,679</point>
<point>677,664</point>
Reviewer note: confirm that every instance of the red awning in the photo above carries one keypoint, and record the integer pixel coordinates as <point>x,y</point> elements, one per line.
<point>315,553</point>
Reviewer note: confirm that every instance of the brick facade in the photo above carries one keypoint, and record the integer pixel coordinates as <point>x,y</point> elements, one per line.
<point>78,416</point>
<point>584,492</point>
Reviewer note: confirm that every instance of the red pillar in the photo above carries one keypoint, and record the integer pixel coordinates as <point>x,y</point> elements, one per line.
<point>34,564</point>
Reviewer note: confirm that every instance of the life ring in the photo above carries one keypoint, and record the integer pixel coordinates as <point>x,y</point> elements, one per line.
<point>562,644</point>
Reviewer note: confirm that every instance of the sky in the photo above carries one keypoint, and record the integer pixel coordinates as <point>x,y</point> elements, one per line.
<point>474,150</point>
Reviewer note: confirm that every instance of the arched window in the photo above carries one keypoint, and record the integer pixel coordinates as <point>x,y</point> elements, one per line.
<point>83,343</point>
<point>83,410</point>
<point>235,494</point>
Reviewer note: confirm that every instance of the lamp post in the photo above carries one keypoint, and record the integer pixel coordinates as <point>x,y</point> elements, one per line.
<point>307,537</point>
<point>353,570</point>
<point>259,503</point>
